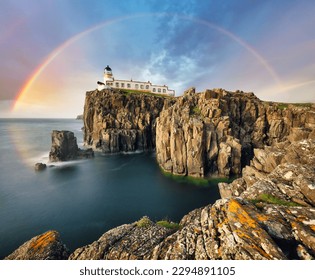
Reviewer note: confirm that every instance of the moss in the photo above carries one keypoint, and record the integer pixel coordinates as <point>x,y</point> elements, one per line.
<point>144,222</point>
<point>203,182</point>
<point>282,106</point>
<point>168,224</point>
<point>195,111</point>
<point>270,199</point>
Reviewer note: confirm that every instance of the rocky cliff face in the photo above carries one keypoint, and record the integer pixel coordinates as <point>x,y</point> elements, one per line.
<point>215,132</point>
<point>199,134</point>
<point>115,121</point>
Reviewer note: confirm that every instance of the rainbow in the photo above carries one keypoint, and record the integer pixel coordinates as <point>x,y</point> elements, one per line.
<point>40,68</point>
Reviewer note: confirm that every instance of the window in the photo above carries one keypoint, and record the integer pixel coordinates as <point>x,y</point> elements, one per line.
<point>136,86</point>
<point>147,87</point>
<point>154,89</point>
<point>117,84</point>
<point>164,90</point>
<point>122,85</point>
<point>159,90</point>
<point>128,86</point>
<point>142,86</point>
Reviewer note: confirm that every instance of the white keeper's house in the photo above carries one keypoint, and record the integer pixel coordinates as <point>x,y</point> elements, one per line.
<point>111,82</point>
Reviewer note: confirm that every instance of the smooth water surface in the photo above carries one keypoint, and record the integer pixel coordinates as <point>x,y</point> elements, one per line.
<point>80,199</point>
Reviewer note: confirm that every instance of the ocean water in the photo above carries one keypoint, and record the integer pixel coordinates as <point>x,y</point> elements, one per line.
<point>81,199</point>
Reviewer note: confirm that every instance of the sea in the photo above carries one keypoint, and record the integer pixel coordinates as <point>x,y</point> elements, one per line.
<point>85,198</point>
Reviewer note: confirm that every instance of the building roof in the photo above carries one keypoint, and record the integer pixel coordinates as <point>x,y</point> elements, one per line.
<point>107,68</point>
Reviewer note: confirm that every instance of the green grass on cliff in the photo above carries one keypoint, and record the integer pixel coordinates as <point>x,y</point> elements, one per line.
<point>195,111</point>
<point>168,224</point>
<point>138,92</point>
<point>270,199</point>
<point>282,106</point>
<point>144,222</point>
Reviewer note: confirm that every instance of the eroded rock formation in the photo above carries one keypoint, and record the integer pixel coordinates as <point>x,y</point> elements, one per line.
<point>284,171</point>
<point>215,132</point>
<point>115,121</point>
<point>64,147</point>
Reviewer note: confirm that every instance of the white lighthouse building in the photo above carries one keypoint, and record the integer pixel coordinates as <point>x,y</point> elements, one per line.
<point>111,82</point>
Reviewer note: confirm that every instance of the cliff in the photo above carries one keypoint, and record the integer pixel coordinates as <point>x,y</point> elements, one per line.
<point>117,121</point>
<point>267,213</point>
<point>215,132</point>
<point>212,133</point>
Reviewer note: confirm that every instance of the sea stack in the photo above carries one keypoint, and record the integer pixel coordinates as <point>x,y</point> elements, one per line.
<point>64,147</point>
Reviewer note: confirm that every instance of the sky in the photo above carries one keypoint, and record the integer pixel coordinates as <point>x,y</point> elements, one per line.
<point>53,51</point>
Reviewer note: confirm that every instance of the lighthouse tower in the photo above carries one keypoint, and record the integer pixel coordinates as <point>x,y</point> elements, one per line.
<point>108,74</point>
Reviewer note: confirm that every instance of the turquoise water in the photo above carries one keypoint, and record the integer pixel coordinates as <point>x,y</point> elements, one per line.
<point>81,199</point>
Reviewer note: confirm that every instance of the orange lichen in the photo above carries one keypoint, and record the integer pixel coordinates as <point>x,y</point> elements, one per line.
<point>240,214</point>
<point>43,240</point>
<point>301,218</point>
<point>251,243</point>
<point>262,218</point>
<point>312,227</point>
<point>221,224</point>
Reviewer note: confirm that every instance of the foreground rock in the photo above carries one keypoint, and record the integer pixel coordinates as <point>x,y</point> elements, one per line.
<point>230,229</point>
<point>126,242</point>
<point>237,229</point>
<point>46,246</point>
<point>64,147</point>
<point>285,172</point>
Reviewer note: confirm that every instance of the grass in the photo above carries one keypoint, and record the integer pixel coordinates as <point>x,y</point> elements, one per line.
<point>144,222</point>
<point>139,92</point>
<point>282,106</point>
<point>270,199</point>
<point>195,111</point>
<point>168,224</point>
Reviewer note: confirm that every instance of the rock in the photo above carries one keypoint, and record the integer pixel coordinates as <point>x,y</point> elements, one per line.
<point>79,117</point>
<point>224,130</point>
<point>40,166</point>
<point>215,132</point>
<point>234,229</point>
<point>285,171</point>
<point>64,147</point>
<point>126,242</point>
<point>46,246</point>
<point>115,121</point>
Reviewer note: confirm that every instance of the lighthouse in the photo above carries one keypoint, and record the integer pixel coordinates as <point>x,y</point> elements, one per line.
<point>130,85</point>
<point>108,74</point>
